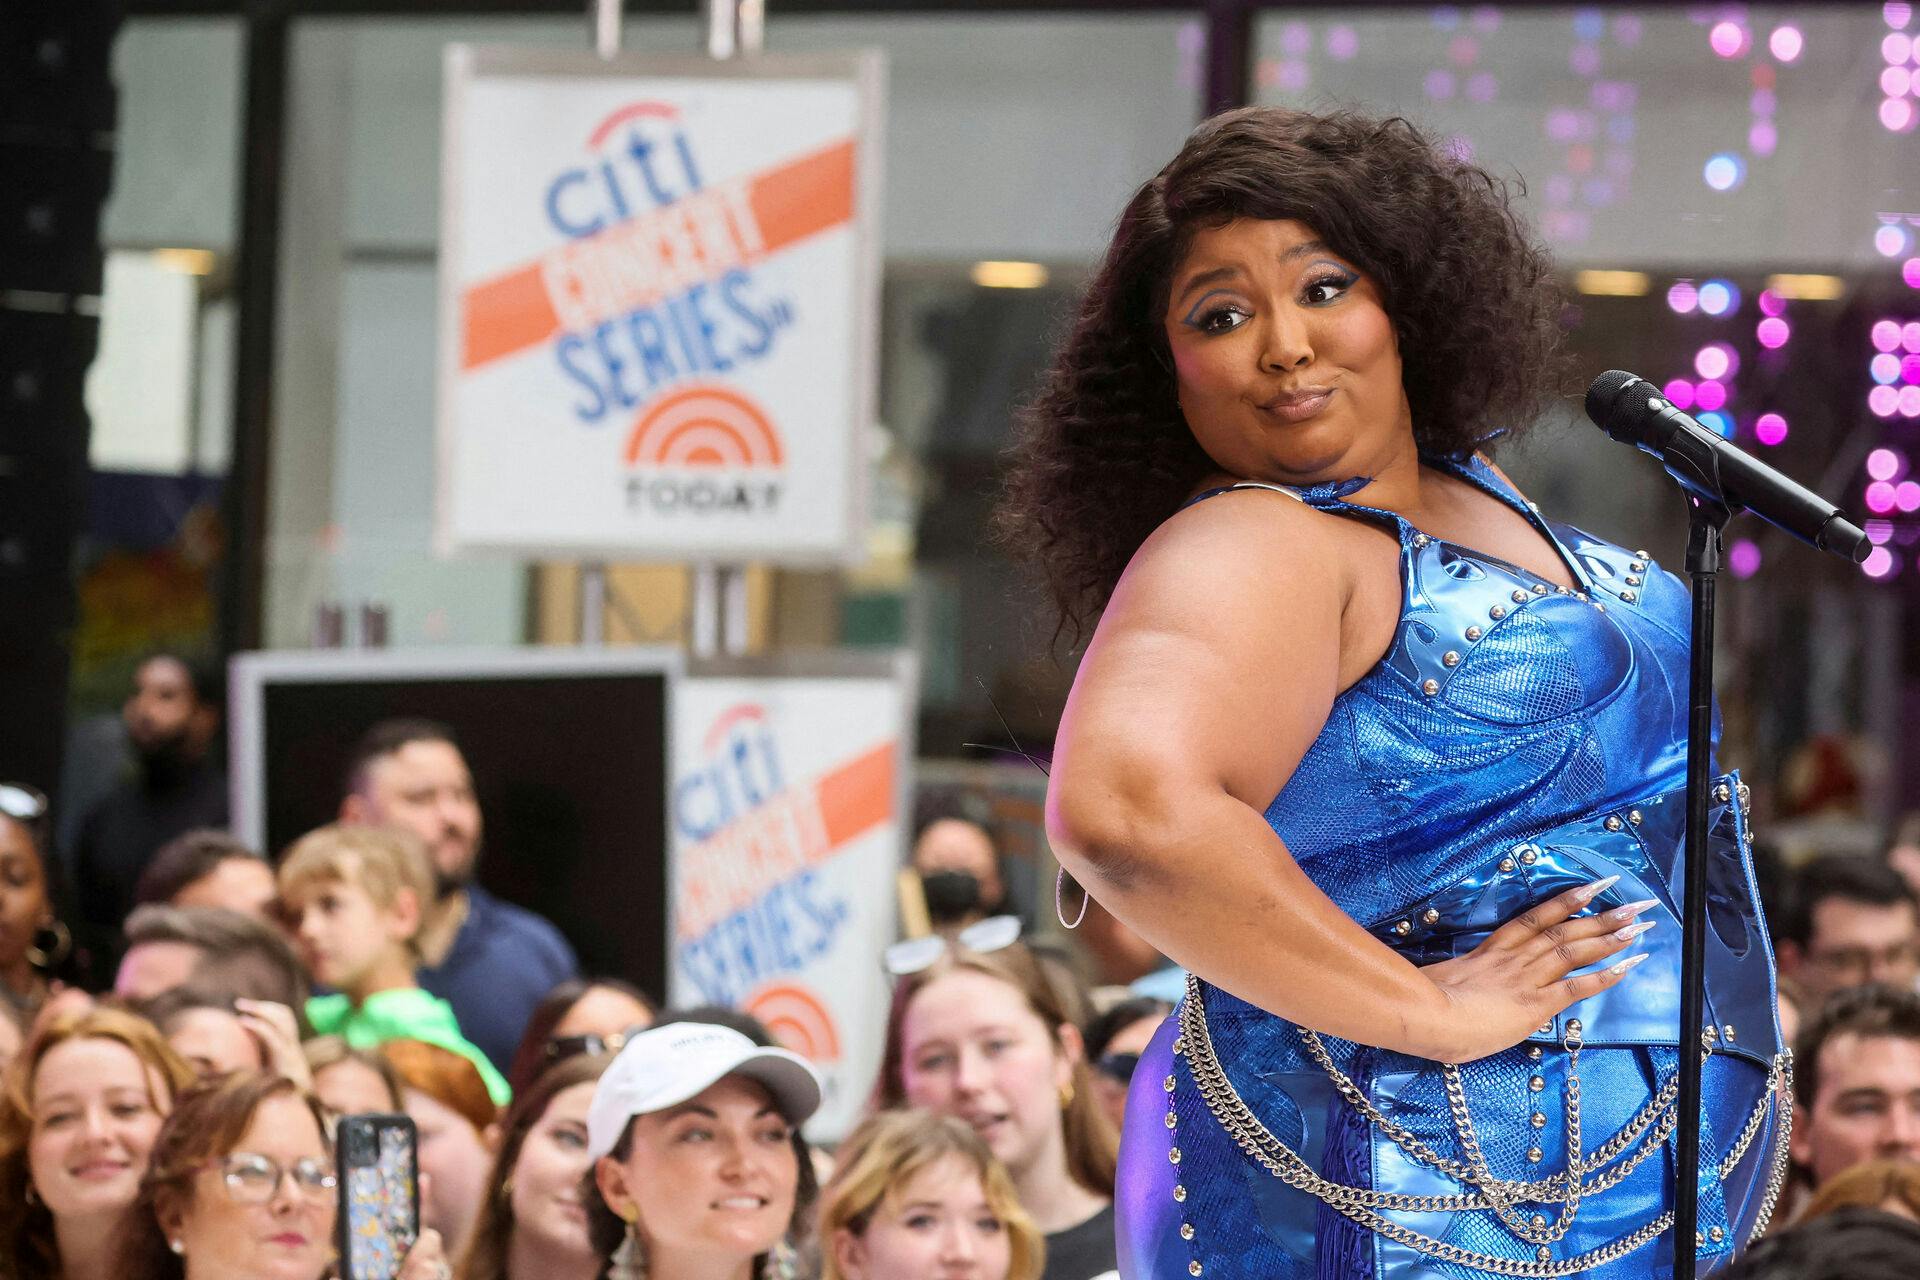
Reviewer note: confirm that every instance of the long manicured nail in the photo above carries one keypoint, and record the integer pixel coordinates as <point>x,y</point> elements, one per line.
<point>1633,931</point>
<point>1587,893</point>
<point>1627,964</point>
<point>1632,909</point>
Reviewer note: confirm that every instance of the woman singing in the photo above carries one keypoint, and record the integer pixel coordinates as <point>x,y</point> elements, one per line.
<point>1392,764</point>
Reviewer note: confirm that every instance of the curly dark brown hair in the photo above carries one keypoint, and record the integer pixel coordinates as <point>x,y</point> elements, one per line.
<point>1104,454</point>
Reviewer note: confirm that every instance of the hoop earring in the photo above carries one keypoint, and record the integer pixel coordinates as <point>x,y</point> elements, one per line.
<point>1059,911</point>
<point>1066,1095</point>
<point>49,957</point>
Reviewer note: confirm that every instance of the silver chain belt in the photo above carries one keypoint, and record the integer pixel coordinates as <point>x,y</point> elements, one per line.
<point>1362,1205</point>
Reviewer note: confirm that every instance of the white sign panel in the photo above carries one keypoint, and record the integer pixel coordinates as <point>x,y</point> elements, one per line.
<point>658,299</point>
<point>785,835</point>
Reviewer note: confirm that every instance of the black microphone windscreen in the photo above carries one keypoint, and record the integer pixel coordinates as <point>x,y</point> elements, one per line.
<point>1602,392</point>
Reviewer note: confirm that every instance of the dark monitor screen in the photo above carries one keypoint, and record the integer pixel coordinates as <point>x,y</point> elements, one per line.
<point>571,775</point>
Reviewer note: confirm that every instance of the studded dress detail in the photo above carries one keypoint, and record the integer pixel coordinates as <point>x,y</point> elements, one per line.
<point>1516,740</point>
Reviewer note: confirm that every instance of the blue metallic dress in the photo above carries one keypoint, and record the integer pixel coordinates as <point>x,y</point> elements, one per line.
<point>1516,740</point>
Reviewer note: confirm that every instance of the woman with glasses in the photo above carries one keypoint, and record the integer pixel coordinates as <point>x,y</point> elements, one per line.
<point>1115,1041</point>
<point>83,1104</point>
<point>533,1223</point>
<point>34,944</point>
<point>976,1030</point>
<point>580,1015</point>
<point>242,1187</point>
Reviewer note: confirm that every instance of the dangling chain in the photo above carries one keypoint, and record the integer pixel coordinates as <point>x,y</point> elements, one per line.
<point>1362,1205</point>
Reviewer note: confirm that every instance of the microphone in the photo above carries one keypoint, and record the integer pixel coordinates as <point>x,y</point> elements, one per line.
<point>1713,469</point>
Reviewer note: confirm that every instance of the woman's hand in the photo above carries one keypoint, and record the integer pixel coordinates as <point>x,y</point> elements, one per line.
<point>1504,989</point>
<point>273,1025</point>
<point>427,1260</point>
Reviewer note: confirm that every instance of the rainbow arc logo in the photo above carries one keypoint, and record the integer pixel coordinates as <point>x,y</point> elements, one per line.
<point>705,426</point>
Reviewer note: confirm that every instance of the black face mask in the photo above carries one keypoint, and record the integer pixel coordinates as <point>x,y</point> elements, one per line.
<point>951,895</point>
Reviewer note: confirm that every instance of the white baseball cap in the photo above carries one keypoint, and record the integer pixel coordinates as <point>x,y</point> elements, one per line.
<point>667,1065</point>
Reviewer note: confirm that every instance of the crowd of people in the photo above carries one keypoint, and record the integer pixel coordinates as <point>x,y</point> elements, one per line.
<point>174,1117</point>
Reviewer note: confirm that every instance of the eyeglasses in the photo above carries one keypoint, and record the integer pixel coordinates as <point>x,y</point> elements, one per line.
<point>22,802</point>
<point>253,1179</point>
<point>560,1048</point>
<point>1865,961</point>
<point>915,954</point>
<point>1117,1066</point>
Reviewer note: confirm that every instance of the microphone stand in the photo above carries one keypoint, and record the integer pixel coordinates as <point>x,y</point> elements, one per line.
<point>1706,520</point>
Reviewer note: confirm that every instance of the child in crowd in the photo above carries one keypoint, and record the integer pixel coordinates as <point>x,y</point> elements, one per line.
<point>354,897</point>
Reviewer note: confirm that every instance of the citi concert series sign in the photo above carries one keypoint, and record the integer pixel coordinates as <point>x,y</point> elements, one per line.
<point>785,834</point>
<point>658,303</point>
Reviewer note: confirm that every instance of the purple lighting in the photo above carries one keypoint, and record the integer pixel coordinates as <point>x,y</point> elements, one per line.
<point>1895,81</point>
<point>1910,336</point>
<point>1897,13</point>
<point>1884,368</point>
<point>1891,240</point>
<point>1910,369</point>
<point>1683,298</point>
<point>1786,43</point>
<point>1710,395</point>
<point>1885,333</point>
<point>1680,392</point>
<point>1342,43</point>
<point>1910,272</point>
<point>1896,114</point>
<point>1771,303</point>
<point>1770,428</point>
<point>1716,360</point>
<point>1728,39</point>
<point>1883,464</point>
<point>1883,401</point>
<point>1896,48</point>
<point>1439,84</point>
<point>1743,557</point>
<point>1773,333</point>
<point>1906,496</point>
<point>1719,298</point>
<point>1724,172</point>
<point>1910,402</point>
<point>1878,564</point>
<point>1879,497</point>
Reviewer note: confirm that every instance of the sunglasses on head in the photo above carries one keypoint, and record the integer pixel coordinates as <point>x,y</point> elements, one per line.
<point>560,1048</point>
<point>22,802</point>
<point>916,954</point>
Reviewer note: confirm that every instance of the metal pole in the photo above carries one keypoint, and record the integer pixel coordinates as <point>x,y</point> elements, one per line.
<point>606,17</point>
<point>734,28</point>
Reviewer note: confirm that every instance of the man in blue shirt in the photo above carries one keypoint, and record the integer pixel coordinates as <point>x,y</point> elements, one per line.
<point>490,960</point>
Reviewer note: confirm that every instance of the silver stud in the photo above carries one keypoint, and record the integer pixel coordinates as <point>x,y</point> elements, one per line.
<point>1699,1237</point>
<point>1403,927</point>
<point>1506,864</point>
<point>1573,1026</point>
<point>1632,580</point>
<point>1711,1034</point>
<point>1613,823</point>
<point>1536,1083</point>
<point>1533,1053</point>
<point>1186,1231</point>
<point>1716,1235</point>
<point>1633,816</point>
<point>1193,1268</point>
<point>1543,1253</point>
<point>1179,1045</point>
<point>1538,1120</point>
<point>1602,608</point>
<point>1518,596</point>
<point>1173,1155</point>
<point>1498,612</point>
<point>1722,793</point>
<point>1474,633</point>
<point>1180,1192</point>
<point>1429,686</point>
<point>1534,1155</point>
<point>1169,1084</point>
<point>1546,1028</point>
<point>1533,506</point>
<point>1421,539</point>
<point>1582,597</point>
<point>1171,1120</point>
<point>1451,658</point>
<point>1637,566</point>
<point>1562,591</point>
<point>1429,916</point>
<point>1726,1033</point>
<point>1642,555</point>
<point>1529,857</point>
<point>1628,597</point>
<point>1539,588</point>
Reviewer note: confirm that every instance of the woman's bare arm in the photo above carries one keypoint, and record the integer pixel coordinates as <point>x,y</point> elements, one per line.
<point>1213,670</point>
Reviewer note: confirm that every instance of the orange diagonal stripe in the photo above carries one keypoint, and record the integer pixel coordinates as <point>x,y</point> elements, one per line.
<point>790,202</point>
<point>858,796</point>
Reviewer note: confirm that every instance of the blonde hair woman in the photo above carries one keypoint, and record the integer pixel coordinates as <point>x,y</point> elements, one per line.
<point>917,1195</point>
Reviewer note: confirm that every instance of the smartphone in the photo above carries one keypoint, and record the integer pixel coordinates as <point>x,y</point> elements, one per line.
<point>379,1176</point>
